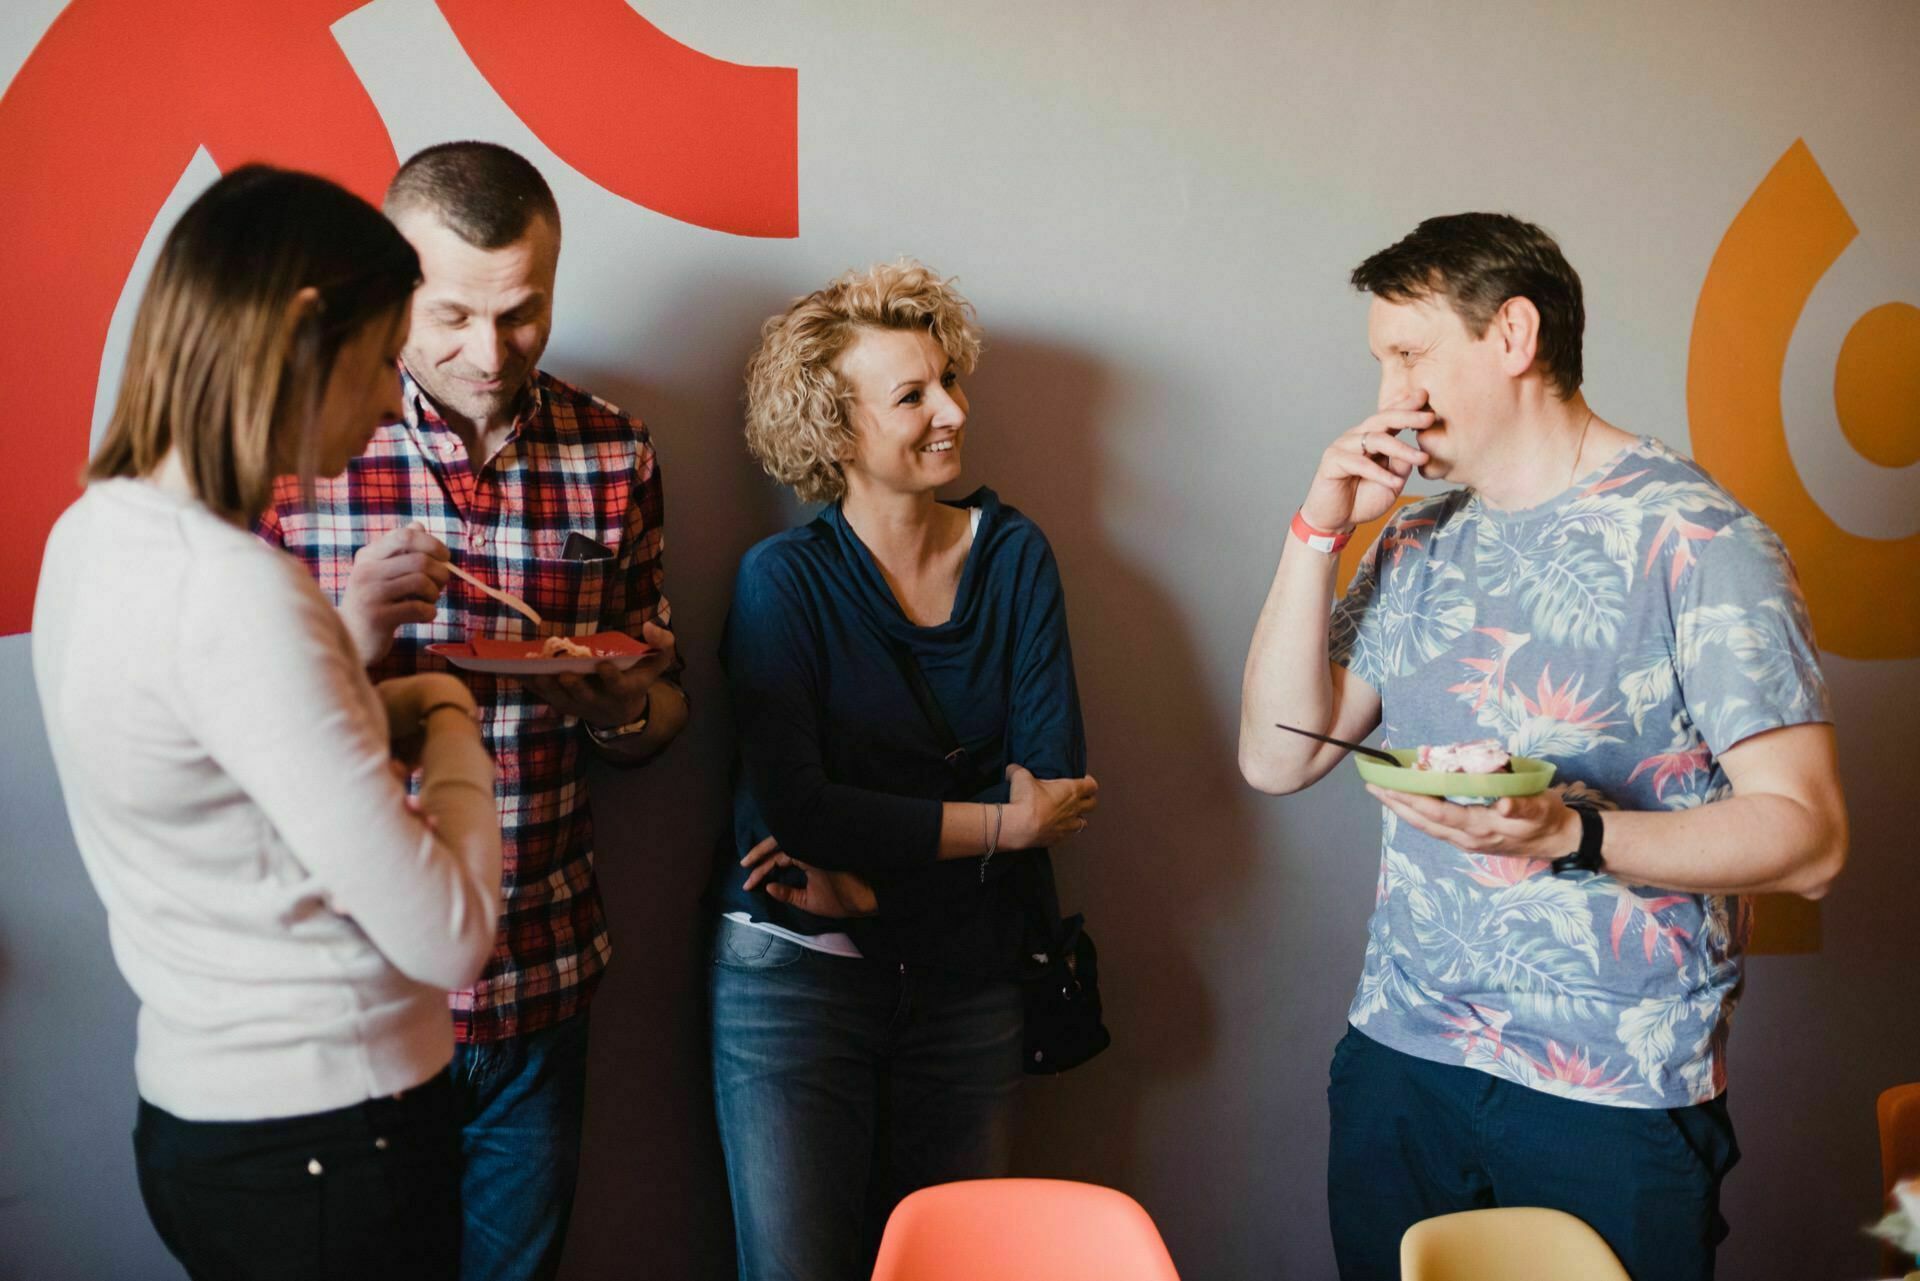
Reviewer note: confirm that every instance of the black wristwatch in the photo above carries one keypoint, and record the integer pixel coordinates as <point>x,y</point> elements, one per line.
<point>1587,857</point>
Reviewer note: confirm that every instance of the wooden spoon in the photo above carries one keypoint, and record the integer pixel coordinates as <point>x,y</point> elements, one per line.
<point>505,598</point>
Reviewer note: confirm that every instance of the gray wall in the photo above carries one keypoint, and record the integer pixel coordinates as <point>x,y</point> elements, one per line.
<point>1154,208</point>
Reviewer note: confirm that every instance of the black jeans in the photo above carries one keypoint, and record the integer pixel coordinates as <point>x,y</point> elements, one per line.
<point>361,1192</point>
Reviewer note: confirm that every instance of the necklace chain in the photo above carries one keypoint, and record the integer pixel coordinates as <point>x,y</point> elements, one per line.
<point>1573,473</point>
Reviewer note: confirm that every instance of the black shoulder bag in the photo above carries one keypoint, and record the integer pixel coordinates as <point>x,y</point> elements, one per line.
<point>1062,985</point>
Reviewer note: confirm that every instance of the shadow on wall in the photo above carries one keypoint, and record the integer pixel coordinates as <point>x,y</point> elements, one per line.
<point>653,1194</point>
<point>1172,842</point>
<point>1817,1037</point>
<point>1173,838</point>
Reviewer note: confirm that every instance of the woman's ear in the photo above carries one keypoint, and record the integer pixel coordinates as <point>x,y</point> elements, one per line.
<point>849,445</point>
<point>303,304</point>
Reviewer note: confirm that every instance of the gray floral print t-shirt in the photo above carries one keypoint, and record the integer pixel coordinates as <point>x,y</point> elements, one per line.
<point>1630,631</point>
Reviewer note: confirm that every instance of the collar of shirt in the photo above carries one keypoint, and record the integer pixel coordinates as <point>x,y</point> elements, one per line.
<point>434,438</point>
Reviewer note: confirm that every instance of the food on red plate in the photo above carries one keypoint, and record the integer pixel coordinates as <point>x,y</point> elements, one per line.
<point>536,656</point>
<point>1483,756</point>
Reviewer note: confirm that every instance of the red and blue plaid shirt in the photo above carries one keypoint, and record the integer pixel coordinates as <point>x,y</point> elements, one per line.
<point>571,464</point>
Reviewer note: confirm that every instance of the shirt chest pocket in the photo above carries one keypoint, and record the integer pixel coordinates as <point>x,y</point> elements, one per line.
<point>578,510</point>
<point>571,595</point>
<point>584,538</point>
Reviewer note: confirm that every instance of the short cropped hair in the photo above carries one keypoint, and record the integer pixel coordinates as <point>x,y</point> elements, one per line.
<point>488,195</point>
<point>224,367</point>
<point>797,425</point>
<point>1477,261</point>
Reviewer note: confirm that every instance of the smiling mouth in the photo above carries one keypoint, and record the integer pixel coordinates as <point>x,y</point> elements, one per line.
<point>939,447</point>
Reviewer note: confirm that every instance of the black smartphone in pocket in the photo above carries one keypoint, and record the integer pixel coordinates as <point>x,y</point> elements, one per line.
<point>580,547</point>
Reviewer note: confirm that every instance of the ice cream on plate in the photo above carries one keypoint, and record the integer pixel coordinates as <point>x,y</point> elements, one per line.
<point>1483,756</point>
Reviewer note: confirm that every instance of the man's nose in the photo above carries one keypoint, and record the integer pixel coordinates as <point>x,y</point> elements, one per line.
<point>483,348</point>
<point>1398,390</point>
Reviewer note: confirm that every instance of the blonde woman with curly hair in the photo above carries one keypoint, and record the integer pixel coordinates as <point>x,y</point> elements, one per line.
<point>910,746</point>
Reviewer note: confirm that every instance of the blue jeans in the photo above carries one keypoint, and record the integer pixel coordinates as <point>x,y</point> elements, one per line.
<point>520,1103</point>
<point>842,1085</point>
<point>1412,1139</point>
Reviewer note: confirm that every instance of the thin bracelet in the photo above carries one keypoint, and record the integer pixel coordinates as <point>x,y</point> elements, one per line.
<point>993,843</point>
<point>442,705</point>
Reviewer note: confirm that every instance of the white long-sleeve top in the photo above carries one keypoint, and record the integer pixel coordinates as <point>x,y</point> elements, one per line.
<point>289,927</point>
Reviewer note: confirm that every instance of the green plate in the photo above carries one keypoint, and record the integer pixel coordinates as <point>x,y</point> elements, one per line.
<point>1529,777</point>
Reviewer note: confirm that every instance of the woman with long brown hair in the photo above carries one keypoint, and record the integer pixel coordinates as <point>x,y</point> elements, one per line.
<point>289,922</point>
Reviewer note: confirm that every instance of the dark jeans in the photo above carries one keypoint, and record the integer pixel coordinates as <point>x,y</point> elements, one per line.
<point>842,1085</point>
<point>520,1104</point>
<point>1412,1139</point>
<point>369,1191</point>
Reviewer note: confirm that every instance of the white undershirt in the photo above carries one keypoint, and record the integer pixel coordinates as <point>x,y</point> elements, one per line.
<point>836,943</point>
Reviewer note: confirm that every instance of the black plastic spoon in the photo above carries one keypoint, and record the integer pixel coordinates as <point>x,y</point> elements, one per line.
<point>1361,748</point>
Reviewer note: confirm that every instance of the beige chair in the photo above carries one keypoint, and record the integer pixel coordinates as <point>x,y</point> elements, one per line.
<point>1508,1244</point>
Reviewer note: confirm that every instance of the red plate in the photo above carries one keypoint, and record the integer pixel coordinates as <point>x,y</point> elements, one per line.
<point>523,657</point>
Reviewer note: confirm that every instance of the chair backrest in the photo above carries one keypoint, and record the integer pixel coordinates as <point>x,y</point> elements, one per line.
<point>1899,1110</point>
<point>1021,1230</point>
<point>1508,1244</point>
<point>1899,1135</point>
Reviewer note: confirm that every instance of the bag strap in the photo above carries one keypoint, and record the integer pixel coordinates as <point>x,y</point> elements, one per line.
<point>956,755</point>
<point>1055,934</point>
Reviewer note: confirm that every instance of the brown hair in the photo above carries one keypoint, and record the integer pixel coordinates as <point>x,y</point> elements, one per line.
<point>1477,261</point>
<point>488,195</point>
<point>223,360</point>
<point>797,401</point>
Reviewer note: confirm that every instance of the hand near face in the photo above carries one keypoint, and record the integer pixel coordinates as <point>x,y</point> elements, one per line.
<point>395,580</point>
<point>1365,469</point>
<point>608,697</point>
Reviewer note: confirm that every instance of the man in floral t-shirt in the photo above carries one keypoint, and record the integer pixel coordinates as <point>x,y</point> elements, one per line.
<point>1542,1017</point>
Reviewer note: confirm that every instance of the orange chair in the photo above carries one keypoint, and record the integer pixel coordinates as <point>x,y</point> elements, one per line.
<point>1899,1110</point>
<point>1021,1230</point>
<point>1508,1244</point>
<point>1899,1135</point>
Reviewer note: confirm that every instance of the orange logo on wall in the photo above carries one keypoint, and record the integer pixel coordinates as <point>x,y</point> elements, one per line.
<point>1864,592</point>
<point>106,113</point>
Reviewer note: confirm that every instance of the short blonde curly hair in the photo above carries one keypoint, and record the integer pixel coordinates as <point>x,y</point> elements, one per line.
<point>797,402</point>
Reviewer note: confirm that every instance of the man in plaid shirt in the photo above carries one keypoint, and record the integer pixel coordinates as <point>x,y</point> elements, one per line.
<point>549,493</point>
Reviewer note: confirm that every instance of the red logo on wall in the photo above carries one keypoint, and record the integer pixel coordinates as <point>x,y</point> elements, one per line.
<point>102,119</point>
